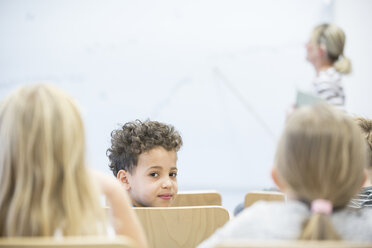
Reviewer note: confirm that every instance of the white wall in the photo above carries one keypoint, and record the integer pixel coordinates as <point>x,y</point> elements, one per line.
<point>177,62</point>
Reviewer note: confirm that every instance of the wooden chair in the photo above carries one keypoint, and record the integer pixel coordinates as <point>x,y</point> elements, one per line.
<point>291,244</point>
<point>254,196</point>
<point>197,198</point>
<point>177,227</point>
<point>68,242</point>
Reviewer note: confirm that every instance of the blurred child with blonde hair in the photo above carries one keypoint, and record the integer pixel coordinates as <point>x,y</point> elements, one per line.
<point>319,164</point>
<point>45,186</point>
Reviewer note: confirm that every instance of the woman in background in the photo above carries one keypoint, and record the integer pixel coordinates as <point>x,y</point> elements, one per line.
<point>325,51</point>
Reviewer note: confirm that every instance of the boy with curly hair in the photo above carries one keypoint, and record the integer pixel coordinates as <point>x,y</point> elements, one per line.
<point>143,156</point>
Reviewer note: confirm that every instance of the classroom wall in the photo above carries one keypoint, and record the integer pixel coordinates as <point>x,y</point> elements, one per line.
<point>223,72</point>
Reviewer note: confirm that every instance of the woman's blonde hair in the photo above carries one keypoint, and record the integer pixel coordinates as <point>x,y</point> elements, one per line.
<point>332,39</point>
<point>45,187</point>
<point>321,155</point>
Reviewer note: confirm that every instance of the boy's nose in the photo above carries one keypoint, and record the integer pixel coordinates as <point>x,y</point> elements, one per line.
<point>167,183</point>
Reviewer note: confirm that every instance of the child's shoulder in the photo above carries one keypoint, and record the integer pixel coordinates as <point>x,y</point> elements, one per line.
<point>268,220</point>
<point>277,213</point>
<point>354,224</point>
<point>354,214</point>
<point>279,207</point>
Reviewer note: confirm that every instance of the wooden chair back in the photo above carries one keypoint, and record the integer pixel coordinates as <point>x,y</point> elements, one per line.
<point>68,242</point>
<point>197,198</point>
<point>291,244</point>
<point>254,196</point>
<point>177,227</point>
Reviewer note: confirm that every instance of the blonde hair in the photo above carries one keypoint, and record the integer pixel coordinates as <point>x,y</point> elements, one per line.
<point>321,155</point>
<point>45,187</point>
<point>332,39</point>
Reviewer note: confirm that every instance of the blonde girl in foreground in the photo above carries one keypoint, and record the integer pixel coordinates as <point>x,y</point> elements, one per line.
<point>45,187</point>
<point>319,164</point>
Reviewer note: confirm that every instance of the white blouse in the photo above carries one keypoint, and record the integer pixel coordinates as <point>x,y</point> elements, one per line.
<point>328,86</point>
<point>283,221</point>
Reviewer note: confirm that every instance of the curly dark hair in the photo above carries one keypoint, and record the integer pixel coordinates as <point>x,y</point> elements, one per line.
<point>366,126</point>
<point>135,138</point>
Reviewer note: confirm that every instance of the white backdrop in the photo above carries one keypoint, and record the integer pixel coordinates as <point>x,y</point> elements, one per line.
<point>222,72</point>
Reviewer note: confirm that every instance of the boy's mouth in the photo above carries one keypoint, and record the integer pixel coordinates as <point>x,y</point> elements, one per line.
<point>166,196</point>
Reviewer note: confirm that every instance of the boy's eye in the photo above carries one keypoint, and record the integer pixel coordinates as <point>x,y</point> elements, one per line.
<point>173,174</point>
<point>154,174</point>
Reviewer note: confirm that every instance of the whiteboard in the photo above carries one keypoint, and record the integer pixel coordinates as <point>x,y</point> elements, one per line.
<point>222,72</point>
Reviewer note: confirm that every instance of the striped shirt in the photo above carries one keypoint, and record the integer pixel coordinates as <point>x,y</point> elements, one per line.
<point>328,86</point>
<point>363,199</point>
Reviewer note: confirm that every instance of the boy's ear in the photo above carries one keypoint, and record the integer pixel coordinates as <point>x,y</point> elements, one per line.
<point>123,178</point>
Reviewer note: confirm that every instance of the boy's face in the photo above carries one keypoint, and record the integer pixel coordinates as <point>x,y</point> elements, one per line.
<point>153,183</point>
